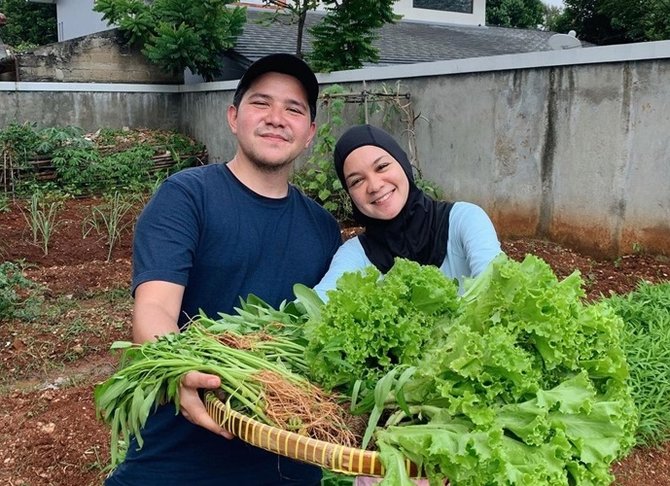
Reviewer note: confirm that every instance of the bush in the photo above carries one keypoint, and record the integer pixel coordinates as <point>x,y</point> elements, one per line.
<point>71,161</point>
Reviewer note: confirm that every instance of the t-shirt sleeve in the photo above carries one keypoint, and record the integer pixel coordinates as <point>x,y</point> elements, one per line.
<point>473,242</point>
<point>348,258</point>
<point>166,237</point>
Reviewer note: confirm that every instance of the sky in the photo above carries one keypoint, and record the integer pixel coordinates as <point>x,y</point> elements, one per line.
<point>554,3</point>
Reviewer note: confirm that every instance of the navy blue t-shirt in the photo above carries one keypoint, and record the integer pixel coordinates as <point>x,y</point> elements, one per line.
<point>206,231</point>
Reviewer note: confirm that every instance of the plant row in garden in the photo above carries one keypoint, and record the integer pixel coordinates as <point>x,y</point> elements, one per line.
<point>519,380</point>
<point>46,166</point>
<point>110,219</point>
<point>68,160</point>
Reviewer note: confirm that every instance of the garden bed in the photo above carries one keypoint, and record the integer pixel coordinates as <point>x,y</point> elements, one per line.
<point>48,431</point>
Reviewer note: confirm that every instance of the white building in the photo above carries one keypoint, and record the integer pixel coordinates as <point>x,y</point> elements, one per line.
<point>76,18</point>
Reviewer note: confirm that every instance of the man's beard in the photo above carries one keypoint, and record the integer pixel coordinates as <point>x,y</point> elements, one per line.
<point>269,168</point>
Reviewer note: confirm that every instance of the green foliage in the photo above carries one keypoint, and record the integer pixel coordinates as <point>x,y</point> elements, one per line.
<point>81,170</point>
<point>525,14</point>
<point>591,25</point>
<point>551,16</point>
<point>297,13</point>
<point>429,187</point>
<point>4,206</point>
<point>369,325</point>
<point>24,47</point>
<point>17,145</point>
<point>19,140</point>
<point>527,381</point>
<point>98,163</point>
<point>20,297</point>
<point>333,479</point>
<point>615,21</point>
<point>317,178</point>
<point>646,342</point>
<point>344,38</point>
<point>641,21</point>
<point>28,23</point>
<point>177,34</point>
<point>53,138</point>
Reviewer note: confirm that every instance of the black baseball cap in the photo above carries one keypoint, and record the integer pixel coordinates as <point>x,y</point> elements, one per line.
<point>285,64</point>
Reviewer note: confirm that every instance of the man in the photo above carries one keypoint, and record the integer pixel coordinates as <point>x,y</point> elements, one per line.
<point>210,235</point>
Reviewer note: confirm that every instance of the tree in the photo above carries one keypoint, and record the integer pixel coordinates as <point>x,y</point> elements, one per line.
<point>525,14</point>
<point>178,34</point>
<point>641,21</point>
<point>28,23</point>
<point>343,40</point>
<point>551,16</point>
<point>616,21</point>
<point>298,9</point>
<point>585,18</point>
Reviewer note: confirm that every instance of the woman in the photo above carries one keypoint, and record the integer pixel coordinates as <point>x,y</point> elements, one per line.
<point>399,219</point>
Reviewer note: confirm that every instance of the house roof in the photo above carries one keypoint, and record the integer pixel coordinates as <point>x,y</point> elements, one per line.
<point>404,42</point>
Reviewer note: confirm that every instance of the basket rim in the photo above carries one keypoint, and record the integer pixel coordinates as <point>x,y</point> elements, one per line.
<point>334,457</point>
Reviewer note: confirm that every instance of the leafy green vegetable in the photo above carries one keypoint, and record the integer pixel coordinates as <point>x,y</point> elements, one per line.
<point>371,324</point>
<point>151,375</point>
<point>526,385</point>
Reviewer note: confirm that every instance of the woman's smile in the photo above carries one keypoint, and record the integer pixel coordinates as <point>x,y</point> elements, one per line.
<point>376,182</point>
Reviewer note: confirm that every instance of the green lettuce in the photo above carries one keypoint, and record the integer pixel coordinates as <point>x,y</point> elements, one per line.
<point>526,384</point>
<point>373,323</point>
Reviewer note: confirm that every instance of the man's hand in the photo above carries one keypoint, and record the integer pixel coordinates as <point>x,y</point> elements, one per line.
<point>191,405</point>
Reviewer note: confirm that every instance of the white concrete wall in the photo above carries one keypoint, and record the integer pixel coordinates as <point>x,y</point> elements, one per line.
<point>569,145</point>
<point>76,18</point>
<point>90,105</point>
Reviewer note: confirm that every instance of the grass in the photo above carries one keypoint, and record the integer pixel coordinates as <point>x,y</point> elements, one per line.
<point>112,218</point>
<point>646,342</point>
<point>42,218</point>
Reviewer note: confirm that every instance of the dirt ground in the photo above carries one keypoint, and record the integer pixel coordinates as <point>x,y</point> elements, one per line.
<point>49,435</point>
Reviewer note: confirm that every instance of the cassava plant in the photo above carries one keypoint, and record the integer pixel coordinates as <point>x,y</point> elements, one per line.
<point>17,144</point>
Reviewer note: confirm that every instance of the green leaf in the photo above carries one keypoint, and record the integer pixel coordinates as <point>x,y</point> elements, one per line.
<point>309,299</point>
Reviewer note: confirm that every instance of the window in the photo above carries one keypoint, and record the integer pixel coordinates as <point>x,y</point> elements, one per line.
<point>463,6</point>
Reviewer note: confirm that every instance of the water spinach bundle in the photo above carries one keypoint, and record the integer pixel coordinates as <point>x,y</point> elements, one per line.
<point>259,356</point>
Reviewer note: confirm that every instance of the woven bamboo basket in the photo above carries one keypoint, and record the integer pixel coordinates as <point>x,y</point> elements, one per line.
<point>334,457</point>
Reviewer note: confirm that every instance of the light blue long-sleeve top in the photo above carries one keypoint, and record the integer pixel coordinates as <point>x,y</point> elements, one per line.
<point>472,244</point>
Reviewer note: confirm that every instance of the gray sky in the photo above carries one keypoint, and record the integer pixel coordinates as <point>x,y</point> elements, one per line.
<point>554,3</point>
